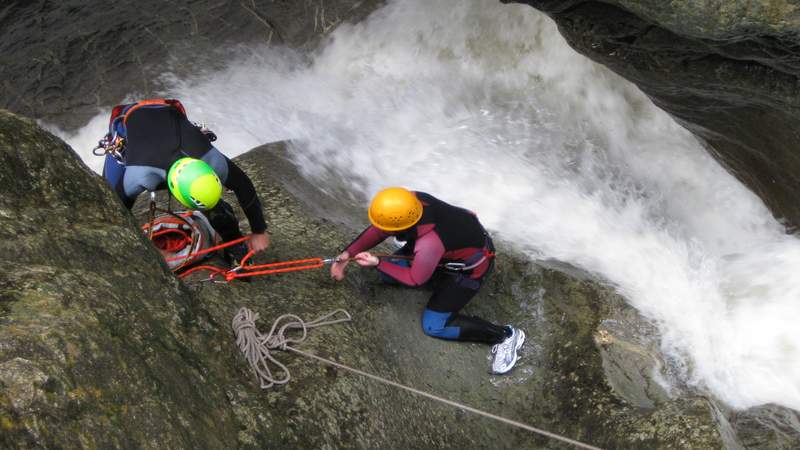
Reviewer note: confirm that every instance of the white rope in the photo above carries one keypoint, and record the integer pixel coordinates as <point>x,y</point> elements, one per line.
<point>256,348</point>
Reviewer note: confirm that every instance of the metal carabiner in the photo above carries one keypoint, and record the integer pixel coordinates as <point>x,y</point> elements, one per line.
<point>458,266</point>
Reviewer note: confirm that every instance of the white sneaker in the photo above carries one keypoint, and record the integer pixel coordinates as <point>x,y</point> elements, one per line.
<point>505,353</point>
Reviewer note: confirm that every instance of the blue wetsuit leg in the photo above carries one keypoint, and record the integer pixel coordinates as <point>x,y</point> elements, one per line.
<point>442,317</point>
<point>435,324</point>
<point>113,171</point>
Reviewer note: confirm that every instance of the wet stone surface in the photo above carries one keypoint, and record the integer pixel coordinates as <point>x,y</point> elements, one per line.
<point>101,346</point>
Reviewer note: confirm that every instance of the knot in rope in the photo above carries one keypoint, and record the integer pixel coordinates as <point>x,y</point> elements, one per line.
<point>256,346</point>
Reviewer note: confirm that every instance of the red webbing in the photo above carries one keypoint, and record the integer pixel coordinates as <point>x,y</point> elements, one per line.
<point>278,267</point>
<point>210,249</point>
<point>246,270</point>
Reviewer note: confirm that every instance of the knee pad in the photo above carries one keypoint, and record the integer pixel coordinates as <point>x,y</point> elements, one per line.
<point>435,324</point>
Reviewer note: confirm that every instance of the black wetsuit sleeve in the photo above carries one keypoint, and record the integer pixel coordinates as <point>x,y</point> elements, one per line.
<point>240,183</point>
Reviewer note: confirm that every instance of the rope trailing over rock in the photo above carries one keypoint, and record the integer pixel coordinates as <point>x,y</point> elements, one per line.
<point>256,348</point>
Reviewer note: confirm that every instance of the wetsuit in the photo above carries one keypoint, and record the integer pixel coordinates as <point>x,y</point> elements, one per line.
<point>444,234</point>
<point>157,136</point>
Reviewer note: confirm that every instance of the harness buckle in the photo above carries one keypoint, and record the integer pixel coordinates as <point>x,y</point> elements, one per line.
<point>459,266</point>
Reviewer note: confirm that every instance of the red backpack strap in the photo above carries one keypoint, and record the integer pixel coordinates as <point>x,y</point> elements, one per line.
<point>115,113</point>
<point>176,104</point>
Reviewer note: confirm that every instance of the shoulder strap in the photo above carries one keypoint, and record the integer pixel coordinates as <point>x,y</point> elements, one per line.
<point>121,112</point>
<point>175,103</point>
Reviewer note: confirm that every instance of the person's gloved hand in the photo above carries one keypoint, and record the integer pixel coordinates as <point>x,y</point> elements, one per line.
<point>337,268</point>
<point>259,242</point>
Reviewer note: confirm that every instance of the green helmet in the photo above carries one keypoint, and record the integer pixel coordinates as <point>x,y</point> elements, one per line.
<point>194,183</point>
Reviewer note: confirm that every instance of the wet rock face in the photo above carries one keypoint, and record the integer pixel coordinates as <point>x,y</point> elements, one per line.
<point>94,351</point>
<point>727,70</point>
<point>102,347</point>
<point>62,60</point>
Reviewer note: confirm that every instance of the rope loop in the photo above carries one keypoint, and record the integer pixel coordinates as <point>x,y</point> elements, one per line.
<point>256,346</point>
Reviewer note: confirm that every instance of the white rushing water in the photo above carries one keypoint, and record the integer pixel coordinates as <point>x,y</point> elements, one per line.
<point>485,106</point>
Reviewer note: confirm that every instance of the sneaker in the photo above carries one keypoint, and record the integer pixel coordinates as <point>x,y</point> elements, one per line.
<point>505,353</point>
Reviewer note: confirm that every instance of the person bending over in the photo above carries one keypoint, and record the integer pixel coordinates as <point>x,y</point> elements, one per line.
<point>151,137</point>
<point>447,248</point>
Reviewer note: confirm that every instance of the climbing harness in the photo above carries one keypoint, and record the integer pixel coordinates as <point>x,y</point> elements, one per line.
<point>256,348</point>
<point>470,263</point>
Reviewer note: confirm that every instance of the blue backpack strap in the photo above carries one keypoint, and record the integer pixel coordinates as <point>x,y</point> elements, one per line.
<point>116,126</point>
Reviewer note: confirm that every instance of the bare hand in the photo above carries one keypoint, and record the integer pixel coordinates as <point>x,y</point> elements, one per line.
<point>365,259</point>
<point>337,268</point>
<point>259,242</point>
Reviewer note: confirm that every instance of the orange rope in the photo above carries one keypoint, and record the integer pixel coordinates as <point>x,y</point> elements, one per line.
<point>249,270</point>
<point>245,270</point>
<point>210,249</point>
<point>269,269</point>
<point>213,269</point>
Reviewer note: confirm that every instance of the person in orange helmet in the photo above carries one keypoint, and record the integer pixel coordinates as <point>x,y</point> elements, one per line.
<point>446,247</point>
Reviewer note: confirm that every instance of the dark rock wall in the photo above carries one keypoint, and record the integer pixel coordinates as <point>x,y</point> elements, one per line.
<point>60,60</point>
<point>726,70</point>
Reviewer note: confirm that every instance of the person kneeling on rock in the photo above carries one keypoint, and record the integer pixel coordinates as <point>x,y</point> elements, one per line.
<point>152,145</point>
<point>446,247</point>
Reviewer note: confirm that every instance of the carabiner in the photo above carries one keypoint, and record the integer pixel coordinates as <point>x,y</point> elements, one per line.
<point>458,266</point>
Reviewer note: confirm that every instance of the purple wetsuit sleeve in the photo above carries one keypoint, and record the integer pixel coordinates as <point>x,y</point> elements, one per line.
<point>366,240</point>
<point>428,251</point>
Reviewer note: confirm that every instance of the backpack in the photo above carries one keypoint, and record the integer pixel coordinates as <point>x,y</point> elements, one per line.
<point>120,113</point>
<point>182,234</point>
<point>113,143</point>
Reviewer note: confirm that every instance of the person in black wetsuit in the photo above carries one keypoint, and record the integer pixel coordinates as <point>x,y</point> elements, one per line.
<point>156,133</point>
<point>447,247</point>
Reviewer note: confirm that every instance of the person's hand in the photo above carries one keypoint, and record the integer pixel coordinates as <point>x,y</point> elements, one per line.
<point>365,259</point>
<point>258,242</point>
<point>337,268</point>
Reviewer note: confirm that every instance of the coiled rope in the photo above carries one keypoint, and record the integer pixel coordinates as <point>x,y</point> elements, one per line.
<point>256,348</point>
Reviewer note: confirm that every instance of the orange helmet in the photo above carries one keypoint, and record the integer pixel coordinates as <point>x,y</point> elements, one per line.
<point>395,209</point>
